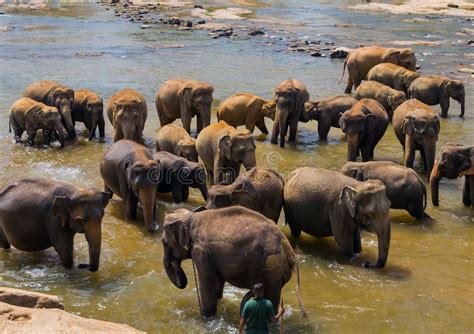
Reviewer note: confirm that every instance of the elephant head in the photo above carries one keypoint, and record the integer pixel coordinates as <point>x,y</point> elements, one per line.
<point>311,111</point>
<point>455,89</point>
<point>129,116</point>
<point>407,78</point>
<point>369,206</point>
<point>221,196</point>
<point>83,212</point>
<point>63,99</point>
<point>403,57</point>
<point>51,120</point>
<point>395,99</point>
<point>193,175</point>
<point>186,148</point>
<point>238,147</point>
<point>269,109</point>
<point>357,127</point>
<point>198,98</point>
<point>95,110</point>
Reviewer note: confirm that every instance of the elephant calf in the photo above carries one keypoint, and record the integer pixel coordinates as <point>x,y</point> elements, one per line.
<point>174,139</point>
<point>393,75</point>
<point>405,189</point>
<point>88,108</point>
<point>259,189</point>
<point>36,214</point>
<point>388,97</point>
<point>30,115</point>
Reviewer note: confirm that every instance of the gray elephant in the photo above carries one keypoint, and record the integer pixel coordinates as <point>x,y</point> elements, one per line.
<point>184,99</point>
<point>435,90</point>
<point>453,162</point>
<point>53,94</point>
<point>393,75</point>
<point>336,205</point>
<point>234,245</point>
<point>223,150</point>
<point>416,126</point>
<point>174,139</point>
<point>404,187</point>
<point>88,108</point>
<point>388,97</point>
<point>259,189</point>
<point>290,97</point>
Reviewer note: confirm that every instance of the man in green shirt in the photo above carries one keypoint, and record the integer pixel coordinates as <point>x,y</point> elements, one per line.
<point>258,312</point>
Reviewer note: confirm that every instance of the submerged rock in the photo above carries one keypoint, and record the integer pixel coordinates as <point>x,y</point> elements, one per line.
<point>340,52</point>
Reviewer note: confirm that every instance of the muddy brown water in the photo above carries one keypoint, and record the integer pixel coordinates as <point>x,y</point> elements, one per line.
<point>427,285</point>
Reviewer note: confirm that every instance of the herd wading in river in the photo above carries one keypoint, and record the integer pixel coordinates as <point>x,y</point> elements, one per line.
<point>234,237</point>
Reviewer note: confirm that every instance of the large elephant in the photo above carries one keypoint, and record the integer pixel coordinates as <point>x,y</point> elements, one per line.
<point>327,112</point>
<point>364,125</point>
<point>361,60</point>
<point>30,115</point>
<point>88,108</point>
<point>127,112</point>
<point>178,174</point>
<point>388,97</point>
<point>223,150</point>
<point>184,99</point>
<point>53,94</point>
<point>247,109</point>
<point>416,126</point>
<point>174,139</point>
<point>234,245</point>
<point>129,171</point>
<point>36,214</point>
<point>290,97</point>
<point>435,90</point>
<point>404,187</point>
<point>259,189</point>
<point>392,75</point>
<point>453,162</point>
<point>336,205</point>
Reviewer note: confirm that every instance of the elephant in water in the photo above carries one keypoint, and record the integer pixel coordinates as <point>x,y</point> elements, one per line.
<point>234,245</point>
<point>88,108</point>
<point>174,139</point>
<point>392,75</point>
<point>36,214</point>
<point>388,97</point>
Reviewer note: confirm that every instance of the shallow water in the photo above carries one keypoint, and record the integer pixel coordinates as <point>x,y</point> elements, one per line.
<point>427,285</point>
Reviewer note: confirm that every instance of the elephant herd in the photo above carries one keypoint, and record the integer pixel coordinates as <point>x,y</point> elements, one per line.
<point>234,237</point>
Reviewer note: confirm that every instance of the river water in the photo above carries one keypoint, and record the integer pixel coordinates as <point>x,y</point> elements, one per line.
<point>427,285</point>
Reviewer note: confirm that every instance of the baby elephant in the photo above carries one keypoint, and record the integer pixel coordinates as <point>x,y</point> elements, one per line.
<point>393,75</point>
<point>88,108</point>
<point>405,189</point>
<point>388,97</point>
<point>259,189</point>
<point>36,214</point>
<point>247,109</point>
<point>30,115</point>
<point>175,139</point>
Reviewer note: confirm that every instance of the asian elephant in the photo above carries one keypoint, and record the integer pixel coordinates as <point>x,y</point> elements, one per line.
<point>393,75</point>
<point>416,126</point>
<point>388,97</point>
<point>223,149</point>
<point>129,171</point>
<point>234,245</point>
<point>259,189</point>
<point>361,60</point>
<point>127,112</point>
<point>327,112</point>
<point>184,99</point>
<point>247,109</point>
<point>333,204</point>
<point>30,115</point>
<point>290,97</point>
<point>364,125</point>
<point>435,90</point>
<point>175,139</point>
<point>51,212</point>
<point>88,108</point>
<point>178,174</point>
<point>404,187</point>
<point>453,162</point>
<point>53,94</point>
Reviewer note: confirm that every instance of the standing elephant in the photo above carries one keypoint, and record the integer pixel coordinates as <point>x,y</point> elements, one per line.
<point>178,174</point>
<point>30,115</point>
<point>247,109</point>
<point>290,97</point>
<point>361,60</point>
<point>454,161</point>
<point>234,245</point>
<point>404,187</point>
<point>364,125</point>
<point>336,205</point>
<point>392,75</point>
<point>223,149</point>
<point>129,171</point>
<point>88,108</point>
<point>174,139</point>
<point>127,113</point>
<point>53,94</point>
<point>388,97</point>
<point>327,112</point>
<point>184,99</point>
<point>259,189</point>
<point>36,214</point>
<point>417,126</point>
<point>435,90</point>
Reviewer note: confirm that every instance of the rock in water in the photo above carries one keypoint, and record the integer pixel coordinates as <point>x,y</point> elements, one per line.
<point>29,299</point>
<point>340,52</point>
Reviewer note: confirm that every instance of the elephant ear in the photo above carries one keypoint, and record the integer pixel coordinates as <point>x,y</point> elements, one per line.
<point>243,198</point>
<point>39,118</point>
<point>341,122</point>
<point>60,209</point>
<point>348,198</point>
<point>393,57</point>
<point>225,147</point>
<point>437,124</point>
<point>408,125</point>
<point>177,233</point>
<point>358,174</point>
<point>70,95</point>
<point>185,97</point>
<point>179,149</point>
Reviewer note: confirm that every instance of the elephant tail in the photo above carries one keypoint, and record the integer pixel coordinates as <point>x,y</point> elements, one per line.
<point>295,271</point>
<point>343,70</point>
<point>426,198</point>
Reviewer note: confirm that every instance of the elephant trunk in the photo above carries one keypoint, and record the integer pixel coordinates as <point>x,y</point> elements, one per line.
<point>461,101</point>
<point>60,137</point>
<point>128,132</point>
<point>93,129</point>
<point>429,145</point>
<point>147,196</point>
<point>249,160</point>
<point>173,268</point>
<point>435,177</point>
<point>282,123</point>
<point>66,113</point>
<point>93,234</point>
<point>352,146</point>
<point>203,188</point>
<point>383,238</point>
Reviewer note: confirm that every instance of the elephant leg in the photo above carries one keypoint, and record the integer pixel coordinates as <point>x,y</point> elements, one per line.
<point>345,237</point>
<point>365,150</point>
<point>31,137</point>
<point>186,120</point>
<point>294,227</point>
<point>250,125</point>
<point>131,204</point>
<point>199,123</point>
<point>164,120</point>
<point>275,132</point>
<point>293,130</point>
<point>409,152</point>
<point>423,159</point>
<point>108,190</point>
<point>262,127</point>
<point>4,243</point>
<point>471,188</point>
<point>357,242</point>
<point>177,193</point>
<point>467,191</point>
<point>273,294</point>
<point>323,130</point>
<point>210,284</point>
<point>444,104</point>
<point>245,299</point>
<point>64,245</point>
<point>18,133</point>
<point>185,193</point>
<point>348,89</point>
<point>46,137</point>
